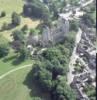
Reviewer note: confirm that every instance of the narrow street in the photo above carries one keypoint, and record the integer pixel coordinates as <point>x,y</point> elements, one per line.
<point>74,56</point>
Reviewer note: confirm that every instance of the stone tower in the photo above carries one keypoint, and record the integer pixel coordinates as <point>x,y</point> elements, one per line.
<point>46,36</point>
<point>63,25</point>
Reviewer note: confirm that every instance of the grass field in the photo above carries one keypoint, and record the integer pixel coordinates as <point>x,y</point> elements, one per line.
<point>10,6</point>
<point>16,87</point>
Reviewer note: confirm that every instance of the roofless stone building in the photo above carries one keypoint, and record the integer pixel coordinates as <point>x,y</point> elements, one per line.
<point>55,34</point>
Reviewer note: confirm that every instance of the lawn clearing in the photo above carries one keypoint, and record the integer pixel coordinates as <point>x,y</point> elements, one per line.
<point>3,40</point>
<point>10,6</point>
<point>7,63</point>
<point>13,87</point>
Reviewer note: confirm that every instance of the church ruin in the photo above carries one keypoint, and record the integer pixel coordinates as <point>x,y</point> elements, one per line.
<point>55,34</point>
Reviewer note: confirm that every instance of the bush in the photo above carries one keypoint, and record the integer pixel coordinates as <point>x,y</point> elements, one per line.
<point>3,14</point>
<point>4,50</point>
<point>16,20</point>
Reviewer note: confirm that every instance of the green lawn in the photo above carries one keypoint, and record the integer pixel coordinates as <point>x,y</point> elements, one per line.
<point>10,6</point>
<point>3,40</point>
<point>16,86</point>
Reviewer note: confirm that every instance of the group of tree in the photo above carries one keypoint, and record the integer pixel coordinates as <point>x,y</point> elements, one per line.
<point>90,91</point>
<point>46,11</point>
<point>36,9</point>
<point>56,6</point>
<point>19,43</point>
<point>74,2</point>
<point>88,19</point>
<point>4,46</point>
<point>50,72</point>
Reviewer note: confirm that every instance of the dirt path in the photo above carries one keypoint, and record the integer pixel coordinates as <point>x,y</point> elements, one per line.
<point>13,70</point>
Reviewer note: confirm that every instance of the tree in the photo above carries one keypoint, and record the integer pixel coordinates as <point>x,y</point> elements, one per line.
<point>4,50</point>
<point>16,20</point>
<point>23,53</point>
<point>45,80</point>
<point>34,31</point>
<point>25,28</point>
<point>18,35</point>
<point>74,26</point>
<point>51,53</point>
<point>88,19</point>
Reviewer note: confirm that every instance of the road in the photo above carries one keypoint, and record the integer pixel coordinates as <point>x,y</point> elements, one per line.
<point>73,58</point>
<point>14,70</point>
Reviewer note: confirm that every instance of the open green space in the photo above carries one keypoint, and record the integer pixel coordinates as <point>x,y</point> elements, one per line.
<point>16,86</point>
<point>10,62</point>
<point>10,6</point>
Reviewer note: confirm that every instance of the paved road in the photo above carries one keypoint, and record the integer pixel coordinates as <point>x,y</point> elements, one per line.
<point>13,70</point>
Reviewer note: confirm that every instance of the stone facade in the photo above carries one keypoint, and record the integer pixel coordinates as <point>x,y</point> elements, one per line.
<point>55,34</point>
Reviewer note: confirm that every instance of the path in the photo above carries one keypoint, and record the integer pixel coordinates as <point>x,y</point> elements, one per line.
<point>13,70</point>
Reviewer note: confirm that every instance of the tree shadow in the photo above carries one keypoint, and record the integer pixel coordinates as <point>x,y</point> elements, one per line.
<point>9,27</point>
<point>31,83</point>
<point>28,16</point>
<point>6,59</point>
<point>18,61</point>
